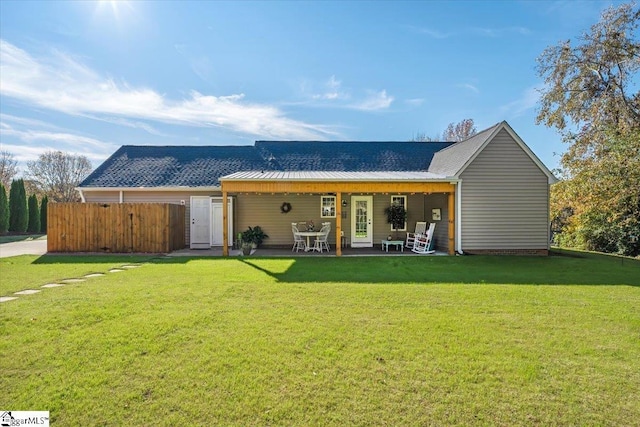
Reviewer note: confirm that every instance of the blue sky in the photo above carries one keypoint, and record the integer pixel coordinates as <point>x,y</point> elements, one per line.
<point>88,77</point>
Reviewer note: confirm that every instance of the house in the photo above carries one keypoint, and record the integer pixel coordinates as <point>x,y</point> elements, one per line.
<point>486,194</point>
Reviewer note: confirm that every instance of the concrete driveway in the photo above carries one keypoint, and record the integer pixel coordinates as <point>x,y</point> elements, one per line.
<point>26,247</point>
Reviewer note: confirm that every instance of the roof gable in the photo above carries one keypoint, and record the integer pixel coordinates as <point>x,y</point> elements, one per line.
<point>452,161</point>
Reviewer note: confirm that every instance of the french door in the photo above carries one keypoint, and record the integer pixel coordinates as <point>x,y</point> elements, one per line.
<point>361,221</point>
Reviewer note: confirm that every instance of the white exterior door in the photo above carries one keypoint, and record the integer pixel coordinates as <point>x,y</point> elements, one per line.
<point>200,222</point>
<point>216,222</point>
<point>361,221</point>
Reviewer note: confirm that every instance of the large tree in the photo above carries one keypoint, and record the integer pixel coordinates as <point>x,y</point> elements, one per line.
<point>8,168</point>
<point>589,83</point>
<point>44,203</point>
<point>57,174</point>
<point>591,98</point>
<point>455,132</point>
<point>18,213</point>
<point>34,215</point>
<point>4,210</point>
<point>460,131</point>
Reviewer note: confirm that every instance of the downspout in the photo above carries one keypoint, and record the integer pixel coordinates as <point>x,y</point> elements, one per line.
<point>459,218</point>
<point>121,196</point>
<point>81,195</point>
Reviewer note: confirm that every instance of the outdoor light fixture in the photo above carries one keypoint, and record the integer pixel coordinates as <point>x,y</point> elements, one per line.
<point>344,203</point>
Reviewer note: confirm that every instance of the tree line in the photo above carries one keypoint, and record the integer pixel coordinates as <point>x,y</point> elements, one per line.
<point>53,176</point>
<point>591,97</point>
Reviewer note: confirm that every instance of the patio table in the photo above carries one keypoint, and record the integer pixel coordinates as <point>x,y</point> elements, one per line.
<point>396,243</point>
<point>308,234</point>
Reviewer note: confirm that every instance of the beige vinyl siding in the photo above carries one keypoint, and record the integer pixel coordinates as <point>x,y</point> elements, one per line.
<point>505,199</point>
<point>101,196</point>
<point>441,232</point>
<point>264,210</point>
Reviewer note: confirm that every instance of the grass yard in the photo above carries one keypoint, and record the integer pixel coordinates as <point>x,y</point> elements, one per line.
<point>324,341</point>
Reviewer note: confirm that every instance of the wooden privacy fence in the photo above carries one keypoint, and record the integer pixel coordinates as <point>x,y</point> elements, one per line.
<point>115,227</point>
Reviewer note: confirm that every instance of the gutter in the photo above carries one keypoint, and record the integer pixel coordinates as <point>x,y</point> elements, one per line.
<point>134,189</point>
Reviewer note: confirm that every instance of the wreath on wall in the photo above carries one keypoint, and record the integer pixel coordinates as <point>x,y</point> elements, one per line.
<point>285,207</point>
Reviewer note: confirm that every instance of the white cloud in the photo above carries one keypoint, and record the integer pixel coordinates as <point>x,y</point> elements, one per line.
<point>469,86</point>
<point>201,65</point>
<point>63,84</point>
<point>436,34</point>
<point>478,31</point>
<point>375,101</point>
<point>28,138</point>
<point>527,101</point>
<point>130,123</point>
<point>335,95</point>
<point>497,32</point>
<point>332,90</point>
<point>414,102</point>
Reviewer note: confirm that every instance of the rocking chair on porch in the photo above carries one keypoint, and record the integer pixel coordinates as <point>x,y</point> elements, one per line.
<point>424,242</point>
<point>421,228</point>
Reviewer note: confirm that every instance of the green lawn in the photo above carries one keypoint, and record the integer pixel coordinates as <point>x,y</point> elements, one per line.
<point>324,341</point>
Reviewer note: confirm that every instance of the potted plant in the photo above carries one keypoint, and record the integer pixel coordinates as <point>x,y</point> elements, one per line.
<point>251,238</point>
<point>396,216</point>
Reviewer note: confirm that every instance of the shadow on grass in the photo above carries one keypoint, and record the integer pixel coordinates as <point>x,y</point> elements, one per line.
<point>561,268</point>
<point>10,238</point>
<point>554,270</point>
<point>93,258</point>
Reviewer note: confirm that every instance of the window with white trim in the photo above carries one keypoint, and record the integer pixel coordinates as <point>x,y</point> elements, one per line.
<point>400,201</point>
<point>327,206</point>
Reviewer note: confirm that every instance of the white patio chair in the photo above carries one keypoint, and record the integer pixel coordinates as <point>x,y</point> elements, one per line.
<point>421,228</point>
<point>298,240</point>
<point>321,242</point>
<point>422,243</point>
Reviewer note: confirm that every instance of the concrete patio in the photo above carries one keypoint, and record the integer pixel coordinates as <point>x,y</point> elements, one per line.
<point>286,252</point>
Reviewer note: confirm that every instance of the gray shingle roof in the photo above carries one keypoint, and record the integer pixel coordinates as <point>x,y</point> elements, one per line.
<point>450,160</point>
<point>202,166</point>
<point>349,156</point>
<point>172,166</point>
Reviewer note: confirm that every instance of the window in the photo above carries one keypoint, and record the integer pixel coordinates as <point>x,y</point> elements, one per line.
<point>400,201</point>
<point>327,206</point>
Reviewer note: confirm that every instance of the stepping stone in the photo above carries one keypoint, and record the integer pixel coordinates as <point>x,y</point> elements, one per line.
<point>130,266</point>
<point>27,292</point>
<point>94,275</point>
<point>5,299</point>
<point>115,270</point>
<point>52,285</point>
<point>73,280</point>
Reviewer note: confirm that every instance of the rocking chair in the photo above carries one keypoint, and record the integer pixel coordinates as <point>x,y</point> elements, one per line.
<point>424,242</point>
<point>421,227</point>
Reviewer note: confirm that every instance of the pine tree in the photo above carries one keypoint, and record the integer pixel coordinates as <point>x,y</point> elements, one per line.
<point>18,213</point>
<point>34,215</point>
<point>43,214</point>
<point>4,210</point>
